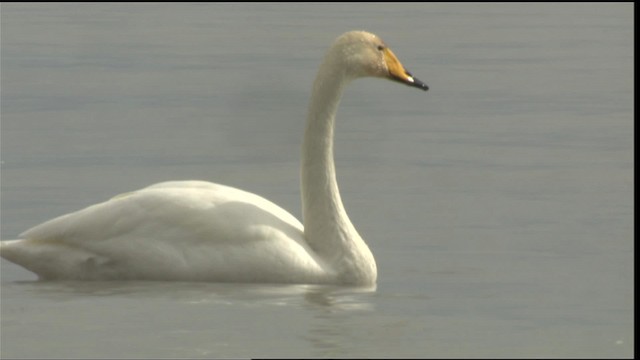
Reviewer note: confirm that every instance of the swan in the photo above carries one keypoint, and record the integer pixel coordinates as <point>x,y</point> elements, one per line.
<point>202,231</point>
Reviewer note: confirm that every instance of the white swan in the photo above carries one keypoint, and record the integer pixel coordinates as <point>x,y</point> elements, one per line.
<point>201,231</point>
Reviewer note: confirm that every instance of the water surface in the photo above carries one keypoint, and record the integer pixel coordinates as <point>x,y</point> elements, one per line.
<point>499,204</point>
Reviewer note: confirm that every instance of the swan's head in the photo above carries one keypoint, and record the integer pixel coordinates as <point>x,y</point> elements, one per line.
<point>365,54</point>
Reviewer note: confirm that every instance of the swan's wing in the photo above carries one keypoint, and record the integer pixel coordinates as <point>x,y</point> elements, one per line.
<point>175,230</point>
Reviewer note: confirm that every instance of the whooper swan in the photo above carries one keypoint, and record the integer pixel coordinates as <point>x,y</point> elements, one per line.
<point>201,231</point>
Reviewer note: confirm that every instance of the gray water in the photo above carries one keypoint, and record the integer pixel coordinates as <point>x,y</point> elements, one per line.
<point>499,204</point>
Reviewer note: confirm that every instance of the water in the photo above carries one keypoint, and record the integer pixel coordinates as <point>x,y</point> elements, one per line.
<point>499,205</point>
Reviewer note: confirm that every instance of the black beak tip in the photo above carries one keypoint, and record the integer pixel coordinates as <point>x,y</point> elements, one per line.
<point>410,81</point>
<point>419,84</point>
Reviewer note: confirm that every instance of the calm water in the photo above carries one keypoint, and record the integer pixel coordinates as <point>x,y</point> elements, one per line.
<point>499,205</point>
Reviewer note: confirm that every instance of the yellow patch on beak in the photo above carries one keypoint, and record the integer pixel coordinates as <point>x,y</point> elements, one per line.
<point>397,71</point>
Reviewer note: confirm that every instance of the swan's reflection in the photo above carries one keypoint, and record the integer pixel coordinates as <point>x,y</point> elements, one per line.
<point>340,298</point>
<point>331,332</point>
<point>327,316</point>
<point>330,297</point>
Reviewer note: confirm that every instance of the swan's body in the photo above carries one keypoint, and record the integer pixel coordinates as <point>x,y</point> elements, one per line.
<point>201,231</point>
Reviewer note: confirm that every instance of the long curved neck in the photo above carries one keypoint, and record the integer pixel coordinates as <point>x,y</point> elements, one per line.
<point>327,227</point>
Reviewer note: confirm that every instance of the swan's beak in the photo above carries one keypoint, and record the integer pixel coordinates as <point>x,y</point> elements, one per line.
<point>397,72</point>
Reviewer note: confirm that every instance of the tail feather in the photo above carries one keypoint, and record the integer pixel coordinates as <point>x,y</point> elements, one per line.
<point>49,260</point>
<point>8,249</point>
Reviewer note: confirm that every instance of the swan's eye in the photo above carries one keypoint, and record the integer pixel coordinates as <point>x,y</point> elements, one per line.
<point>380,47</point>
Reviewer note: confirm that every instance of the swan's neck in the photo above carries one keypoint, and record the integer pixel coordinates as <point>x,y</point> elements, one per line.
<point>327,227</point>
